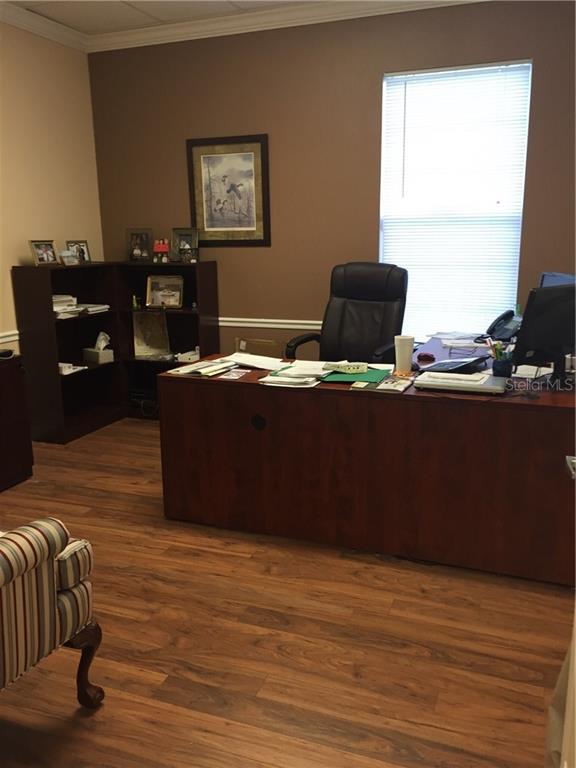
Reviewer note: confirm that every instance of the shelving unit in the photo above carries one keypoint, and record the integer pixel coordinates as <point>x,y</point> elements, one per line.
<point>63,408</point>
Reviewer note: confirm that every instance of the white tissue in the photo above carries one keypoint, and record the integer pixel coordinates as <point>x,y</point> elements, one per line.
<point>102,341</point>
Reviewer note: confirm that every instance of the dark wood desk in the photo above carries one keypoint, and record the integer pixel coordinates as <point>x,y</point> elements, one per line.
<point>459,479</point>
<point>15,443</point>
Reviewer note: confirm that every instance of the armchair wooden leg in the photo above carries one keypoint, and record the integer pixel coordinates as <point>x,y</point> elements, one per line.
<point>87,640</point>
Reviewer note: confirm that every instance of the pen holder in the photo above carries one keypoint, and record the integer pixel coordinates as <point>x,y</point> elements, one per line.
<point>502,368</point>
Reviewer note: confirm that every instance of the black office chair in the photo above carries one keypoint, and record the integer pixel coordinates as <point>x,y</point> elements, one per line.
<point>364,313</point>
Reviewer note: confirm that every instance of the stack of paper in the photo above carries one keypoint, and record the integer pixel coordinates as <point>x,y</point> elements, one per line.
<point>255,361</point>
<point>204,368</point>
<point>304,369</point>
<point>92,309</point>
<point>65,306</point>
<point>295,382</point>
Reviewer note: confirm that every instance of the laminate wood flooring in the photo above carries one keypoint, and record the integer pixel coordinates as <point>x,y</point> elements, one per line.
<point>225,650</point>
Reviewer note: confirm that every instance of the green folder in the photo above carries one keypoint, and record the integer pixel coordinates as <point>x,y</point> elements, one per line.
<point>371,375</point>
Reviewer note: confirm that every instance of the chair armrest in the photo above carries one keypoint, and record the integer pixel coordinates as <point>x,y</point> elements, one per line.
<point>294,343</point>
<point>74,564</point>
<point>23,549</point>
<point>384,354</point>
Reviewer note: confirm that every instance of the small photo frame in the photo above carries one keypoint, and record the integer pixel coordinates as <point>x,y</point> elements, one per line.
<point>80,249</point>
<point>69,258</point>
<point>43,252</point>
<point>139,244</point>
<point>164,291</point>
<point>184,245</point>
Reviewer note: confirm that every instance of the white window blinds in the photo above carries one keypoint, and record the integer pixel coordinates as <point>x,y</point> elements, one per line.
<point>452,187</point>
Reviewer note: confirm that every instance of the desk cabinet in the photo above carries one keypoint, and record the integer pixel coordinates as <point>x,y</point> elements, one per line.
<point>15,443</point>
<point>458,479</point>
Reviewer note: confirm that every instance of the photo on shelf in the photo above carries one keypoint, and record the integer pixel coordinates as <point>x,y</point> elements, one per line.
<point>43,252</point>
<point>80,249</point>
<point>164,291</point>
<point>184,245</point>
<point>151,336</point>
<point>139,244</point>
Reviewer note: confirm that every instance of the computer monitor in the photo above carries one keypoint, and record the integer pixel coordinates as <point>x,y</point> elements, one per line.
<point>556,278</point>
<point>547,331</point>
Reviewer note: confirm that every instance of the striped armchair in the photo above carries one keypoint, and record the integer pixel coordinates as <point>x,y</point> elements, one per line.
<point>46,602</point>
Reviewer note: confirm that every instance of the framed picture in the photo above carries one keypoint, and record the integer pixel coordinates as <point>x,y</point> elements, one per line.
<point>80,249</point>
<point>184,245</point>
<point>139,244</point>
<point>229,197</point>
<point>164,291</point>
<point>69,258</point>
<point>43,252</point>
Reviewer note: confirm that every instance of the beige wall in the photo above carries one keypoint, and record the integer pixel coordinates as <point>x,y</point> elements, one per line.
<point>48,185</point>
<point>316,91</point>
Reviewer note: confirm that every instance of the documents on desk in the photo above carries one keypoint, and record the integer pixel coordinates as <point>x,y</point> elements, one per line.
<point>531,372</point>
<point>203,368</point>
<point>481,383</point>
<point>294,382</point>
<point>255,361</point>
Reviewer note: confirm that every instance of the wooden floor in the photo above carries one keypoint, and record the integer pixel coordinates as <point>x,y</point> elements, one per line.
<point>224,650</point>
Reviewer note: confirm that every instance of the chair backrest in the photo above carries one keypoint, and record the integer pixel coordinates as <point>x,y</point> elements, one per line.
<point>365,310</point>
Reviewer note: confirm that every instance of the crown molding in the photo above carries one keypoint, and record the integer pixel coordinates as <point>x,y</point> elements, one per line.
<point>38,25</point>
<point>276,18</point>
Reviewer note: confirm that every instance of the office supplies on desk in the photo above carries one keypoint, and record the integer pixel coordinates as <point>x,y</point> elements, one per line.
<point>256,361</point>
<point>458,365</point>
<point>481,383</point>
<point>371,375</point>
<point>390,384</point>
<point>404,349</point>
<point>203,368</point>
<point>345,367</point>
<point>293,382</point>
<point>303,368</point>
<point>234,373</point>
<point>531,371</point>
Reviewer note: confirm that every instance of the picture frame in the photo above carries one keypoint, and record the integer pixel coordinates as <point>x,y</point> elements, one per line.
<point>43,252</point>
<point>80,249</point>
<point>69,258</point>
<point>139,244</point>
<point>229,190</point>
<point>184,245</point>
<point>164,291</point>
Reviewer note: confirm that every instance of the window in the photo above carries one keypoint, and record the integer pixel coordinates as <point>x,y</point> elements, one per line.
<point>452,187</point>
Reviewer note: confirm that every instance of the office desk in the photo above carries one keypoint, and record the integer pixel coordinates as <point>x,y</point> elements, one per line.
<point>467,480</point>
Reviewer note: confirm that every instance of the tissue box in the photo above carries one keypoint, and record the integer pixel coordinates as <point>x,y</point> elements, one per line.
<point>92,355</point>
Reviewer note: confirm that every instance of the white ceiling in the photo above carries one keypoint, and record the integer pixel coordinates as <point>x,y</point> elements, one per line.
<point>96,17</point>
<point>96,25</point>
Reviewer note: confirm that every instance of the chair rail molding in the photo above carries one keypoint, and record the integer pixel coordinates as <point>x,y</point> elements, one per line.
<point>260,322</point>
<point>7,337</point>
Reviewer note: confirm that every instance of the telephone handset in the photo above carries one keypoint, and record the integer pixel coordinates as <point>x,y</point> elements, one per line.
<point>504,327</point>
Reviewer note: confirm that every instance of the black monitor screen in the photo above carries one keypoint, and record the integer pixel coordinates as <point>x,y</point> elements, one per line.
<point>547,332</point>
<point>556,278</point>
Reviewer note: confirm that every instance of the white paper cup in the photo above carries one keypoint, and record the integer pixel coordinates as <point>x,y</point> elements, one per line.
<point>404,346</point>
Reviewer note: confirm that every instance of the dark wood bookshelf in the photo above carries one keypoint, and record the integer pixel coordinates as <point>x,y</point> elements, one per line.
<point>63,408</point>
<point>15,442</point>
